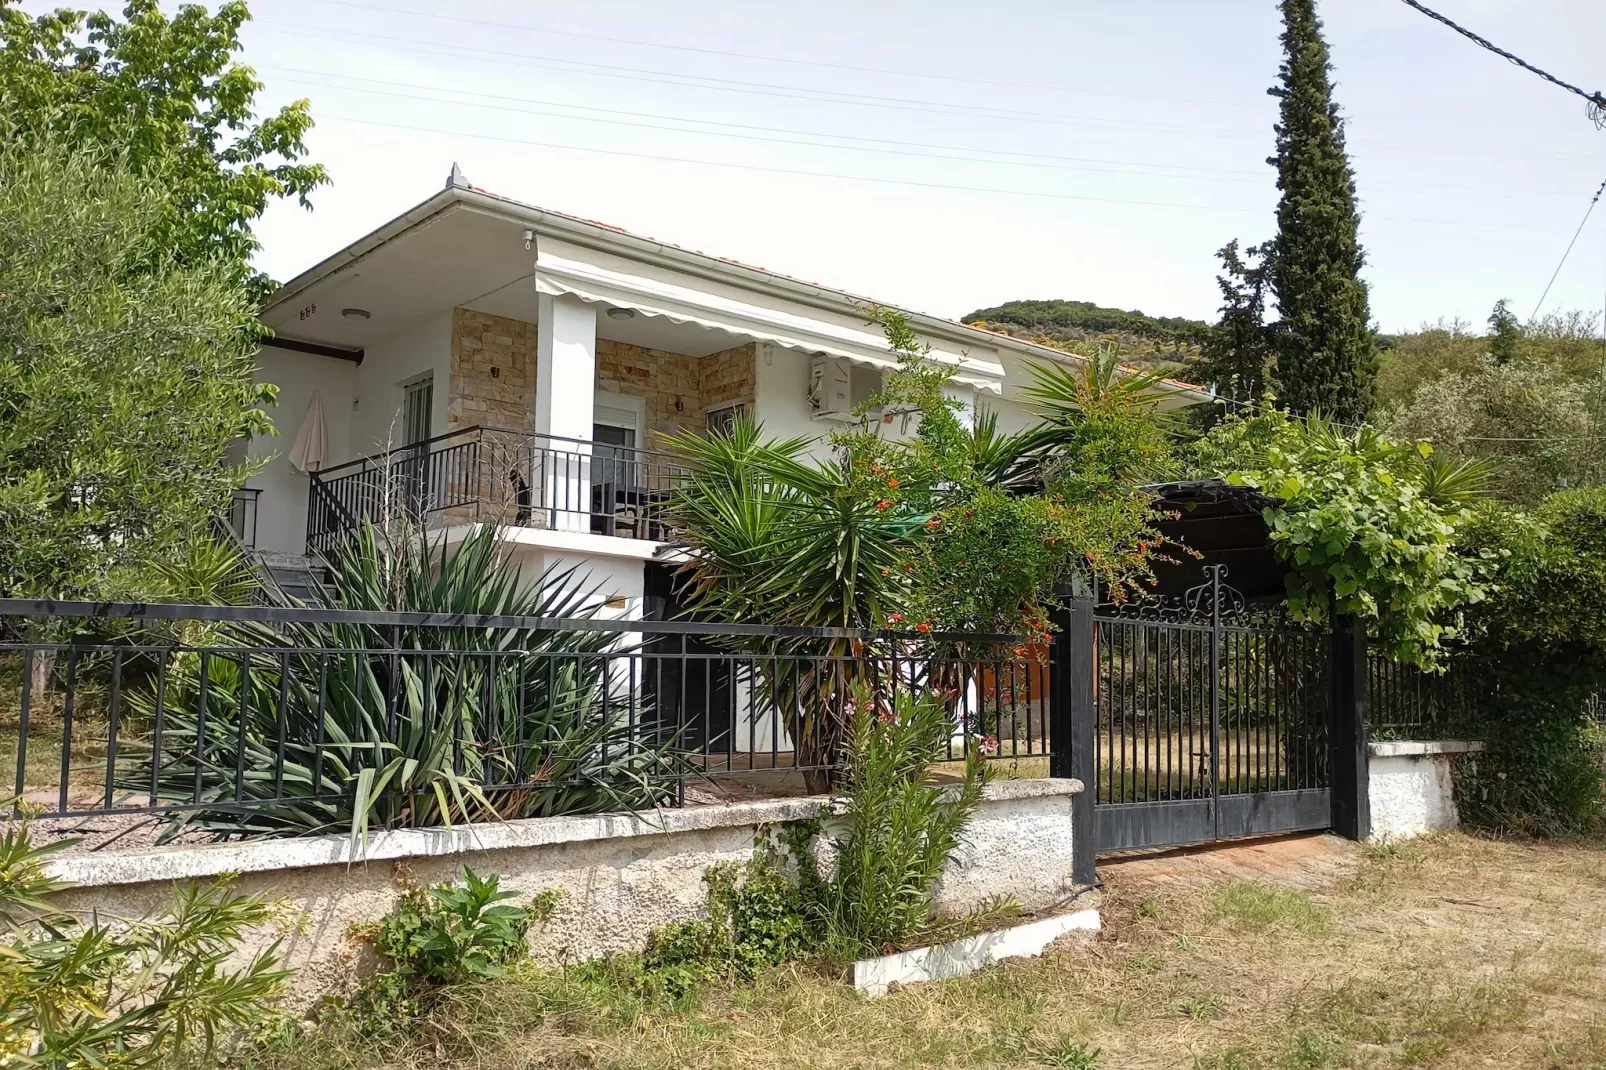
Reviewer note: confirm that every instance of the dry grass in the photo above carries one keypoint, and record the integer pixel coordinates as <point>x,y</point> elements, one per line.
<point>1452,952</point>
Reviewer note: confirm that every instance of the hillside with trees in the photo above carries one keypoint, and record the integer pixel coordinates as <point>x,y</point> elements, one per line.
<point>1081,326</point>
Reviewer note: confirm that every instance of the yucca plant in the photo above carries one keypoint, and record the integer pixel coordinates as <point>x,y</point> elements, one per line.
<point>305,728</point>
<point>776,539</point>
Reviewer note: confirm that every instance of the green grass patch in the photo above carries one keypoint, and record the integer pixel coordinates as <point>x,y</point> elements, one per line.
<point>1261,905</point>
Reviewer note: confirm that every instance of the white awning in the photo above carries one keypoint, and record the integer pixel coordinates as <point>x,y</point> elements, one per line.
<point>565,268</point>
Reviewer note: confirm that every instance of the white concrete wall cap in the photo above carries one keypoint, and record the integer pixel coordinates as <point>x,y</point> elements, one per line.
<point>1413,748</point>
<point>192,863</point>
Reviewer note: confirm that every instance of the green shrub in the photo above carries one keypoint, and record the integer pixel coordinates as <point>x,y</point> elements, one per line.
<point>896,829</point>
<point>1542,639</point>
<point>755,922</point>
<point>444,935</point>
<point>136,995</point>
<point>1361,520</point>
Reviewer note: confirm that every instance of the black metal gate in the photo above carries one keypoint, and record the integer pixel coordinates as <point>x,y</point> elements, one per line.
<point>1212,720</point>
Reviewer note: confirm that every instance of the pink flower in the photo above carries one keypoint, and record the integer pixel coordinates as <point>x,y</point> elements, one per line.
<point>987,744</point>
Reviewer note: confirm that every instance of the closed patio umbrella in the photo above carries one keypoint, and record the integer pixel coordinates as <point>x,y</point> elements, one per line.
<point>311,450</point>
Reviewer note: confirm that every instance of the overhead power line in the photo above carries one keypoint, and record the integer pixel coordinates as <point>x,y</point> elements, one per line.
<point>1557,273</point>
<point>876,180</point>
<point>764,133</point>
<point>1596,108</point>
<point>762,89</point>
<point>914,183</point>
<point>829,140</point>
<point>734,85</point>
<point>763,57</point>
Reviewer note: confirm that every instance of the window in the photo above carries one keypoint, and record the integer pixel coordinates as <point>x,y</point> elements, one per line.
<point>418,401</point>
<point>612,455</point>
<point>722,421</point>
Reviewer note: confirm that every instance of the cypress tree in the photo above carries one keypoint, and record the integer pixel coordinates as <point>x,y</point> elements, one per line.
<point>1326,351</point>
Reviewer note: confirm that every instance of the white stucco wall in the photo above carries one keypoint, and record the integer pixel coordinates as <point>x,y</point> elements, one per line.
<point>1411,786</point>
<point>282,507</point>
<point>375,419</point>
<point>621,875</point>
<point>361,407</point>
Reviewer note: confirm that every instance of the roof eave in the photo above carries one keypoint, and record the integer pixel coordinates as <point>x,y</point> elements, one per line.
<point>714,267</point>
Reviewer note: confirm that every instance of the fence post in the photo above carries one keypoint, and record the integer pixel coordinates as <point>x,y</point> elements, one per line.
<point>1073,727</point>
<point>1352,808</point>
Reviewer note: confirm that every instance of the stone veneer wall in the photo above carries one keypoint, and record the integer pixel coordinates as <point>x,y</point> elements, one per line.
<point>493,377</point>
<point>492,372</point>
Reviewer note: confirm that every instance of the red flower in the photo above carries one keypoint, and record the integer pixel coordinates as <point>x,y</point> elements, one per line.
<point>923,626</point>
<point>883,504</point>
<point>934,523</point>
<point>1143,547</point>
<point>896,618</point>
<point>892,482</point>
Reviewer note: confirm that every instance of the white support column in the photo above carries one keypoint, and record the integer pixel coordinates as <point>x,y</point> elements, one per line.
<point>565,386</point>
<point>966,396</point>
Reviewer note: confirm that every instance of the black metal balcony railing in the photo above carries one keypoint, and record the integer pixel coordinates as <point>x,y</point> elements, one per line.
<point>242,518</point>
<point>493,475</point>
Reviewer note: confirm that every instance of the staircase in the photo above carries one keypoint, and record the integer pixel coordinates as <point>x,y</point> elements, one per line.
<point>295,576</point>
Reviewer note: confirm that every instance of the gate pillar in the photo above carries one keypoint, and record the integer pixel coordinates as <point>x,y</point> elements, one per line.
<point>1352,808</point>
<point>1073,727</point>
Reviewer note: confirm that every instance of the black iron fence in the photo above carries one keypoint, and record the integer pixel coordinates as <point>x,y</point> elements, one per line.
<point>1405,702</point>
<point>274,720</point>
<point>494,475</point>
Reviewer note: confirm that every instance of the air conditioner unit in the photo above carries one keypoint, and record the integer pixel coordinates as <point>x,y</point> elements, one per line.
<point>830,387</point>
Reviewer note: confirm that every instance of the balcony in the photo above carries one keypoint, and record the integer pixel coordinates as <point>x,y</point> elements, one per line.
<point>490,475</point>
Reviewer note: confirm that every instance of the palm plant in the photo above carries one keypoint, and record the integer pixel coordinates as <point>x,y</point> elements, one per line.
<point>775,539</point>
<point>1100,429</point>
<point>309,727</point>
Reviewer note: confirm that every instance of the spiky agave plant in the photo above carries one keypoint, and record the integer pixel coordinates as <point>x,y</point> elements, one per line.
<point>304,728</point>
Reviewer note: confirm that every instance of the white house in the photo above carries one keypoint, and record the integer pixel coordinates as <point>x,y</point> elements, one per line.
<point>481,360</point>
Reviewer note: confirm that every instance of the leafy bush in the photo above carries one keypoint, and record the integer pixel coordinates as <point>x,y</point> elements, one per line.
<point>444,935</point>
<point>136,994</point>
<point>352,726</point>
<point>1355,517</point>
<point>1542,638</point>
<point>755,922</point>
<point>1536,426</point>
<point>896,829</point>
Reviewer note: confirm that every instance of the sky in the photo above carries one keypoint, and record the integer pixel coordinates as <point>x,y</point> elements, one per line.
<point>949,156</point>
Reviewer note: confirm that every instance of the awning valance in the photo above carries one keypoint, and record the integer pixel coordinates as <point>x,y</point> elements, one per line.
<point>591,275</point>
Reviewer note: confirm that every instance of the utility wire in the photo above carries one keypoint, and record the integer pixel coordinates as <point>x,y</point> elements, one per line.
<point>1596,109</point>
<point>758,56</point>
<point>452,51</point>
<point>994,157</point>
<point>876,180</point>
<point>1557,273</point>
<point>790,171</point>
<point>734,85</point>
<point>298,76</point>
